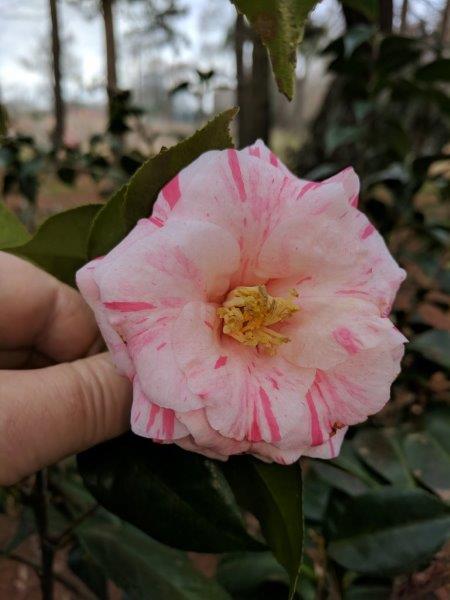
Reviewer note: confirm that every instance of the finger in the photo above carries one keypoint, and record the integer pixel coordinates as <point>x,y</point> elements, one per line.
<point>40,313</point>
<point>48,414</point>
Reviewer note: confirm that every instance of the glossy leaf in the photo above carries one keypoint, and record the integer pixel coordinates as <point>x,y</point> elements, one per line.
<point>273,493</point>
<point>60,244</point>
<point>339,479</point>
<point>144,186</point>
<point>280,25</point>
<point>388,531</point>
<point>108,227</point>
<point>438,70</point>
<point>12,232</point>
<point>368,8</point>
<point>180,498</point>
<point>434,345</point>
<point>140,566</point>
<point>428,452</point>
<point>381,450</point>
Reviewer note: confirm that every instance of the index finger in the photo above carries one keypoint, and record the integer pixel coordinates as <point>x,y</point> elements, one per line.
<point>39,313</point>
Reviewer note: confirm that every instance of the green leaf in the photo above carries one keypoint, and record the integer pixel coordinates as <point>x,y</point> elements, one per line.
<point>60,244</point>
<point>381,450</point>
<point>12,232</point>
<point>86,569</point>
<point>428,452</point>
<point>434,345</point>
<point>140,566</point>
<point>388,531</point>
<point>144,186</point>
<point>368,8</point>
<point>429,462</point>
<point>108,227</point>
<point>280,25</point>
<point>340,479</point>
<point>438,70</point>
<point>273,493</point>
<point>180,498</point>
<point>246,575</point>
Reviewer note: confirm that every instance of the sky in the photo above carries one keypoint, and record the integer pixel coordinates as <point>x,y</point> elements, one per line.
<point>24,26</point>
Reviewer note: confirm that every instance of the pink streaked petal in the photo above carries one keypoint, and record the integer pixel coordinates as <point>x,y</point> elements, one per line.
<point>171,192</point>
<point>183,260</point>
<point>129,306</point>
<point>256,193</point>
<point>336,247</point>
<point>324,333</point>
<point>153,421</point>
<point>206,437</point>
<point>330,448</point>
<point>88,287</point>
<point>351,391</point>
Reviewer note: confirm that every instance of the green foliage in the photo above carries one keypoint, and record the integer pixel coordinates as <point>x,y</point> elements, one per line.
<point>141,566</point>
<point>388,531</point>
<point>369,8</point>
<point>60,244</point>
<point>434,345</point>
<point>180,498</point>
<point>280,25</point>
<point>12,232</point>
<point>274,495</point>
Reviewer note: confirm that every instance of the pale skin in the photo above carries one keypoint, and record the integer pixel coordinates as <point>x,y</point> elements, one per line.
<point>58,394</point>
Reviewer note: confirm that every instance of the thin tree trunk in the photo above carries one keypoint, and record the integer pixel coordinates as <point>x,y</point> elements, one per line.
<point>386,15</point>
<point>445,31</point>
<point>240,36</point>
<point>404,17</point>
<point>58,103</point>
<point>260,93</point>
<point>110,44</point>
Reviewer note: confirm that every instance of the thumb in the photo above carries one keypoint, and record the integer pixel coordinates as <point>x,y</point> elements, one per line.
<point>48,414</point>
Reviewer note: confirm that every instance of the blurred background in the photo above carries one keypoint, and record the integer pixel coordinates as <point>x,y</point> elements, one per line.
<point>94,87</point>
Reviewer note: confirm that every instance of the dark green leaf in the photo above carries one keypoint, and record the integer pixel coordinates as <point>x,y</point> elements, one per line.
<point>180,498</point>
<point>433,345</point>
<point>140,566</point>
<point>428,452</point>
<point>12,232</point>
<point>144,186</point>
<point>273,493</point>
<point>86,569</point>
<point>438,70</point>
<point>60,244</point>
<point>381,450</point>
<point>108,227</point>
<point>368,8</point>
<point>388,531</point>
<point>340,479</point>
<point>246,572</point>
<point>316,493</point>
<point>280,25</point>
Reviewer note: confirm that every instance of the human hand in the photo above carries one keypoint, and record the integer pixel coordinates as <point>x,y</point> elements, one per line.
<point>53,402</point>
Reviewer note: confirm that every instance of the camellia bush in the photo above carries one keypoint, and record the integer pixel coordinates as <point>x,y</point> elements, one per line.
<point>252,311</point>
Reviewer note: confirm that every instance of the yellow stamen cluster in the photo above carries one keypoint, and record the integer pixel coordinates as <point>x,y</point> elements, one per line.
<point>248,312</point>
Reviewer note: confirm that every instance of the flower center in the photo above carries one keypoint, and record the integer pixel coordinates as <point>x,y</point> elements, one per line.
<point>248,312</point>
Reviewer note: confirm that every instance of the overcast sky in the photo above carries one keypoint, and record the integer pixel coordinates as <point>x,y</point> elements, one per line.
<point>25,24</point>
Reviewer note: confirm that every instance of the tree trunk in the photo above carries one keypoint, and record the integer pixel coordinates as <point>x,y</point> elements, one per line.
<point>59,111</point>
<point>110,44</point>
<point>445,32</point>
<point>240,36</point>
<point>386,14</point>
<point>260,93</point>
<point>404,17</point>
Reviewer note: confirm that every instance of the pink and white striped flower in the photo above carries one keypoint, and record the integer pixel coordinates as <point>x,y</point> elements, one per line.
<point>250,310</point>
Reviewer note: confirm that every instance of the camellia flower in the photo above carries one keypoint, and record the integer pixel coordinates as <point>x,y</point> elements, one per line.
<point>250,310</point>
